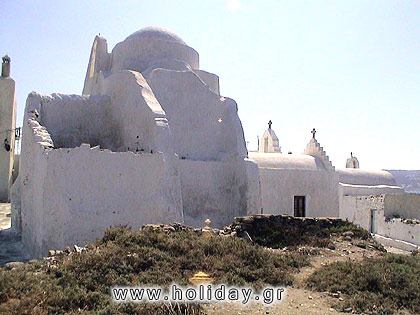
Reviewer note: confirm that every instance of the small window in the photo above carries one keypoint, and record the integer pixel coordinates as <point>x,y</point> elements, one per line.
<point>299,206</point>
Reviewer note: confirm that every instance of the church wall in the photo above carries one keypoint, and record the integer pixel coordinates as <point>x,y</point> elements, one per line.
<point>79,201</point>
<point>71,195</point>
<point>210,79</point>
<point>254,202</point>
<point>217,190</point>
<point>28,207</point>
<point>205,126</point>
<point>279,186</point>
<point>139,119</point>
<point>357,209</point>
<point>72,120</point>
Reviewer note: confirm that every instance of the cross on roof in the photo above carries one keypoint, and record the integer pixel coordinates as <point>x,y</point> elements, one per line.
<point>313,133</point>
<point>269,124</point>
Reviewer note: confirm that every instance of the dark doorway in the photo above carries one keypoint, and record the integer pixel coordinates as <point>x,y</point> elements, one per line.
<point>299,206</point>
<point>373,221</point>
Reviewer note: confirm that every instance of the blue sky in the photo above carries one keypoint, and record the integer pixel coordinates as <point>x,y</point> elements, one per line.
<point>351,69</point>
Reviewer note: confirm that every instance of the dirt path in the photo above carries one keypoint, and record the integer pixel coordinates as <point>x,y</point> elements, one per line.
<point>4,216</point>
<point>11,248</point>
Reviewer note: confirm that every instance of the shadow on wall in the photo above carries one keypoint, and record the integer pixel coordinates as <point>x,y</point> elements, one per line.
<point>72,120</point>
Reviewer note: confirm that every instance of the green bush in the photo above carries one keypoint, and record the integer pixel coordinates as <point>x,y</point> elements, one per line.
<point>382,285</point>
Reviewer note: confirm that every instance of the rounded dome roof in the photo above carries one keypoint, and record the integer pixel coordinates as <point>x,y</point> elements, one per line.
<point>152,33</point>
<point>150,46</point>
<point>287,161</point>
<point>357,176</point>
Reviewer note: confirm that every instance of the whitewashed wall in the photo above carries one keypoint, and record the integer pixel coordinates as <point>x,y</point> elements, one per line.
<point>398,229</point>
<point>72,195</point>
<point>7,125</point>
<point>139,119</point>
<point>75,202</point>
<point>279,186</point>
<point>218,190</point>
<point>357,209</point>
<point>210,79</point>
<point>107,189</point>
<point>205,126</point>
<point>72,120</point>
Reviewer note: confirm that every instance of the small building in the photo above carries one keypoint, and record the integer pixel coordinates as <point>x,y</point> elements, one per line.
<point>309,185</point>
<point>298,184</point>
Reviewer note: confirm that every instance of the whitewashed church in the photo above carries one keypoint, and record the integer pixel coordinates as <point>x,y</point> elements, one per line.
<point>151,140</point>
<point>308,184</point>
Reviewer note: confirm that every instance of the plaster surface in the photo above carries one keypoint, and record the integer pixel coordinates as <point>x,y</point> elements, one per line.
<point>369,212</point>
<point>7,134</point>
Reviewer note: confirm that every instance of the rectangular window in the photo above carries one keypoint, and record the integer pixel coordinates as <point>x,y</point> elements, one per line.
<point>299,206</point>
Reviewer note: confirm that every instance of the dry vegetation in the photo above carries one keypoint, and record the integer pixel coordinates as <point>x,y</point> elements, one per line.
<point>78,282</point>
<point>376,286</point>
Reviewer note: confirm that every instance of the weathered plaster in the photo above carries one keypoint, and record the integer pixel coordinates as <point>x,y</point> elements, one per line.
<point>7,133</point>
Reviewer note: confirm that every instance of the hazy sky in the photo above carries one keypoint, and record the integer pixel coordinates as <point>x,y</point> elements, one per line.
<point>351,69</point>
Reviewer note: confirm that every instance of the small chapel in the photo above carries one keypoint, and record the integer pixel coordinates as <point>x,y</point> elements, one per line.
<point>308,184</point>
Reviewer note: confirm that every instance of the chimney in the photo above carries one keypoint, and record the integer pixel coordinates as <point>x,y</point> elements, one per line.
<point>5,67</point>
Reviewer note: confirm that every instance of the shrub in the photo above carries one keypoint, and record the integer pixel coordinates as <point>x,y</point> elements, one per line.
<point>382,285</point>
<point>285,231</point>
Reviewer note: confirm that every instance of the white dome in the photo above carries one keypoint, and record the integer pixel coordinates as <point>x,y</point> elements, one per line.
<point>357,176</point>
<point>152,46</point>
<point>287,161</point>
<point>155,33</point>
